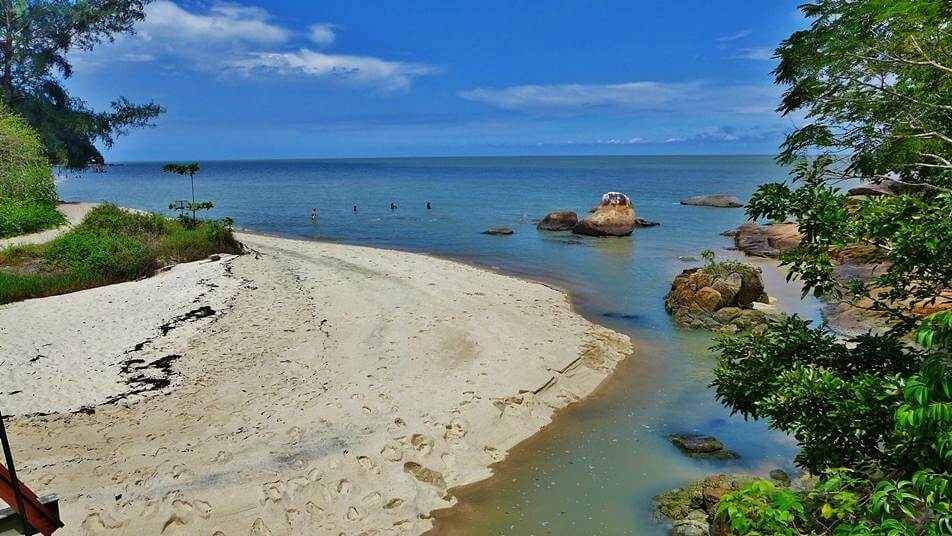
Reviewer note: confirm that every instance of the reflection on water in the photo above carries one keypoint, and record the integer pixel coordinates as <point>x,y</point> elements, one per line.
<point>596,468</point>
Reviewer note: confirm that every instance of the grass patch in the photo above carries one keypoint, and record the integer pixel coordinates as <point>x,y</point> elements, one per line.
<point>721,267</point>
<point>110,246</point>
<point>21,218</point>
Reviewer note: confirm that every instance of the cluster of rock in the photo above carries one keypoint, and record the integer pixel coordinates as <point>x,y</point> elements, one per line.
<point>726,298</point>
<point>693,507</point>
<point>615,216</point>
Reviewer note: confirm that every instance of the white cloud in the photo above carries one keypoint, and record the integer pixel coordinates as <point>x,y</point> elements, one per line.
<point>616,141</point>
<point>754,53</point>
<point>227,38</point>
<point>635,95</point>
<point>698,96</point>
<point>361,70</point>
<point>734,37</point>
<point>322,34</point>
<point>673,140</point>
<point>166,20</point>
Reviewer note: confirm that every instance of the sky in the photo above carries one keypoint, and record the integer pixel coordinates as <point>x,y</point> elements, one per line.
<point>360,78</point>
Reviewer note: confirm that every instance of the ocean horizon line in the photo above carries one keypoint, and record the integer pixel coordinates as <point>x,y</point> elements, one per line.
<point>441,157</point>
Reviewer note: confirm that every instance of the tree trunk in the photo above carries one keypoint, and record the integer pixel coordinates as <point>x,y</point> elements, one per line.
<point>7,48</point>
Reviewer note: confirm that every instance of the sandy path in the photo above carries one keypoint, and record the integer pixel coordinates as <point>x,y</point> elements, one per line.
<point>343,391</point>
<point>74,212</point>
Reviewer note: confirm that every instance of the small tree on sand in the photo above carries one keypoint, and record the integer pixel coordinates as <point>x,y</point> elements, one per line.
<point>190,170</point>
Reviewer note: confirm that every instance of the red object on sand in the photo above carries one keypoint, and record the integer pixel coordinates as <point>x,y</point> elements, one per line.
<point>40,517</point>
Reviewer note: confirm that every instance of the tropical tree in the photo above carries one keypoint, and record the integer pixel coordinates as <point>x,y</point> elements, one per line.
<point>36,37</point>
<point>873,414</point>
<point>190,170</point>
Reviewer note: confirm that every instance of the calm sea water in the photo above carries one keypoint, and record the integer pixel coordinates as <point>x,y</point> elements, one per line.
<point>595,470</point>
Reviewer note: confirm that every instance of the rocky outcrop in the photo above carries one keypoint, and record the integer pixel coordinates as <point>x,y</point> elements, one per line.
<point>614,217</point>
<point>715,200</point>
<point>719,297</point>
<point>765,240</point>
<point>562,220</point>
<point>891,187</point>
<point>693,506</point>
<point>498,231</point>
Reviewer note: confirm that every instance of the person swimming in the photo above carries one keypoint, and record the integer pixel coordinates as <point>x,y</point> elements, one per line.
<point>313,214</point>
<point>355,208</point>
<point>393,206</point>
<point>428,207</point>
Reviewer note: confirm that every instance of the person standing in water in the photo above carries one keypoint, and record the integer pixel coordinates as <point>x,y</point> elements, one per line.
<point>428,207</point>
<point>393,206</point>
<point>313,214</point>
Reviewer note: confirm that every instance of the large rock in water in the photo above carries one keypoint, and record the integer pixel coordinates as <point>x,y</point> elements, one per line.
<point>719,298</point>
<point>715,200</point>
<point>765,240</point>
<point>562,220</point>
<point>614,217</point>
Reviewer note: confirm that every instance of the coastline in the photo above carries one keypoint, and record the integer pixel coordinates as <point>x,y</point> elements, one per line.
<point>314,416</point>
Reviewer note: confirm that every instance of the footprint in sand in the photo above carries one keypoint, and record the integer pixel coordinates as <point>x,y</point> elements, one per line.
<point>493,453</point>
<point>295,434</point>
<point>344,487</point>
<point>258,528</point>
<point>423,443</point>
<point>368,464</point>
<point>393,503</point>
<point>423,474</point>
<point>392,451</point>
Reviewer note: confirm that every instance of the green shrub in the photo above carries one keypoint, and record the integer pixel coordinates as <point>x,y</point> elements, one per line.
<point>109,246</point>
<point>17,218</point>
<point>25,174</point>
<point>110,219</point>
<point>110,256</point>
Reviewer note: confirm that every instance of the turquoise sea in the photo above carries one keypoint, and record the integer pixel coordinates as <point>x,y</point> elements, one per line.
<point>595,469</point>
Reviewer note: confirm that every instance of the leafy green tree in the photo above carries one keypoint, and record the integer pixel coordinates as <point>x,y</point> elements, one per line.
<point>35,39</point>
<point>872,414</point>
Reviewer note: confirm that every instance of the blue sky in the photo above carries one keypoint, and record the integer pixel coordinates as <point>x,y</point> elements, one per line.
<point>270,79</point>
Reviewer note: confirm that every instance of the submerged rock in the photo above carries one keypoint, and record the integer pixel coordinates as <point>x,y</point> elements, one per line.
<point>562,220</point>
<point>714,200</point>
<point>641,222</point>
<point>614,217</point>
<point>780,476</point>
<point>696,443</point>
<point>498,231</point>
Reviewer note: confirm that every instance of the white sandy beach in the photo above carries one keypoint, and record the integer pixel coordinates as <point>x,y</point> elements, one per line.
<point>337,390</point>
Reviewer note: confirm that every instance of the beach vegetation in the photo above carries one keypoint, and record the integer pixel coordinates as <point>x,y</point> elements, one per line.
<point>720,267</point>
<point>872,414</point>
<point>110,245</point>
<point>27,191</point>
<point>39,37</point>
